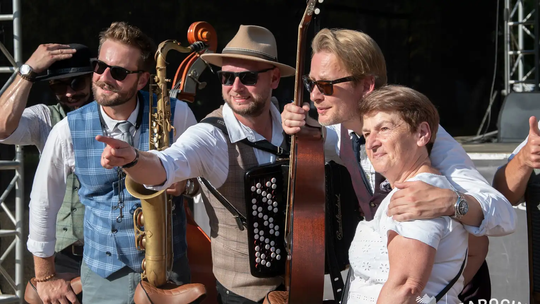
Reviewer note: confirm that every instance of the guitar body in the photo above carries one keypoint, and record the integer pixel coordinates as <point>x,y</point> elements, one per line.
<point>305,270</point>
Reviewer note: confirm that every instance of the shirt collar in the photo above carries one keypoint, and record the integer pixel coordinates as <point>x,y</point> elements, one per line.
<point>111,123</point>
<point>238,131</point>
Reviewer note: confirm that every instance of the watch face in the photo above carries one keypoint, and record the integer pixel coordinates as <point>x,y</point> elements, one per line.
<point>25,69</point>
<point>463,207</point>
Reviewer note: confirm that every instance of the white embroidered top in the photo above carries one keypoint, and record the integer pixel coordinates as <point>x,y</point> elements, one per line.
<point>368,253</point>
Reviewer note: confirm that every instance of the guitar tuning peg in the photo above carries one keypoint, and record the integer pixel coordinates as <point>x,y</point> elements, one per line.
<point>317,11</point>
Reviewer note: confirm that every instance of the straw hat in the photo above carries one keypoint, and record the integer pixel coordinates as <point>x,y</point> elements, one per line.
<point>251,42</point>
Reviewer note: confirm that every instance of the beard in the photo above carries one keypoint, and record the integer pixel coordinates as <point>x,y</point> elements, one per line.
<point>254,109</point>
<point>115,99</point>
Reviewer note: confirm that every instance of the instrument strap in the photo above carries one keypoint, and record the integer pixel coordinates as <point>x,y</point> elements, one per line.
<point>240,219</point>
<point>263,145</point>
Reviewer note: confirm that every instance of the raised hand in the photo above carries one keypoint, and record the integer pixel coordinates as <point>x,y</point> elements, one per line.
<point>47,54</point>
<point>530,154</point>
<point>117,153</point>
<point>293,117</point>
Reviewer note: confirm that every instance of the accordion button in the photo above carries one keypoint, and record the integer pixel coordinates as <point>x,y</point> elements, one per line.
<point>256,236</point>
<point>268,264</point>
<point>273,249</point>
<point>254,207</point>
<point>277,227</point>
<point>257,248</point>
<point>259,209</point>
<point>261,232</point>
<point>274,186</point>
<point>258,185</point>
<point>268,184</point>
<point>269,208</point>
<point>258,191</point>
<point>267,240</point>
<point>273,180</point>
<point>269,196</point>
<point>275,210</point>
<point>274,204</point>
<point>254,200</point>
<point>271,231</point>
<point>267,247</point>
<point>263,256</point>
<point>257,254</point>
<point>253,189</point>
<point>264,199</point>
<point>265,223</point>
<point>263,262</point>
<point>278,251</point>
<point>257,260</point>
<point>272,243</point>
<point>255,230</point>
<point>278,257</point>
<point>265,217</point>
<point>254,213</point>
<point>271,226</point>
<point>255,224</point>
<point>260,215</point>
<point>271,219</point>
<point>263,193</point>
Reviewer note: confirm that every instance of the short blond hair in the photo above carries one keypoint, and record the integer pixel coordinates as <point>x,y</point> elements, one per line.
<point>133,36</point>
<point>358,53</point>
<point>413,107</point>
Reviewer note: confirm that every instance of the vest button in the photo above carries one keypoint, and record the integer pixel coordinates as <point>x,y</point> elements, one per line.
<point>74,209</point>
<point>372,204</point>
<point>108,253</point>
<point>114,231</point>
<point>65,229</point>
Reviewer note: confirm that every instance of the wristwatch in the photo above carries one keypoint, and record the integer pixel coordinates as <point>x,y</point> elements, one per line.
<point>461,207</point>
<point>27,73</point>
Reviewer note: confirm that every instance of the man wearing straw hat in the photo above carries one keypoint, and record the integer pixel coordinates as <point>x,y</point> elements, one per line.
<point>249,72</point>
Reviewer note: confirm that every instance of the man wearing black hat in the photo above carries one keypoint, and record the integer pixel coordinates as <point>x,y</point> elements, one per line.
<point>67,68</point>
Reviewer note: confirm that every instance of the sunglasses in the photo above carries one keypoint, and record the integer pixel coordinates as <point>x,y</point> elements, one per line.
<point>325,86</point>
<point>75,83</point>
<point>248,78</point>
<point>117,73</point>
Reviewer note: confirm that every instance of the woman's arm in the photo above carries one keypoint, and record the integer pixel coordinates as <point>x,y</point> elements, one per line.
<point>478,249</point>
<point>411,262</point>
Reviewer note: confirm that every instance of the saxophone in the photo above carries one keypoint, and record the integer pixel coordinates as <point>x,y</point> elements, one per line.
<point>155,213</point>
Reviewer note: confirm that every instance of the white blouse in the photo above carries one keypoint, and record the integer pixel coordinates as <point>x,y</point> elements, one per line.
<point>368,253</point>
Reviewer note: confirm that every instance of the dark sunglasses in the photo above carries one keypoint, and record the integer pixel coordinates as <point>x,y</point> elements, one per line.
<point>76,84</point>
<point>117,73</point>
<point>248,78</point>
<point>325,86</point>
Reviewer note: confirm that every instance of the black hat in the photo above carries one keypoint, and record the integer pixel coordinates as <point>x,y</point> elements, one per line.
<point>78,64</point>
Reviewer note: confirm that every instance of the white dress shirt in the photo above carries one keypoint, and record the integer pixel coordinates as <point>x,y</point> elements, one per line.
<point>33,128</point>
<point>453,162</point>
<point>58,161</point>
<point>202,150</point>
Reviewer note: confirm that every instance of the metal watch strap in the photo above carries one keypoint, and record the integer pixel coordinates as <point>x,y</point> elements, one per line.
<point>134,162</point>
<point>457,213</point>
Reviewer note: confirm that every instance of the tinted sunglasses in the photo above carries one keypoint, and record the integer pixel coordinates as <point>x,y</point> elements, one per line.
<point>117,73</point>
<point>248,78</point>
<point>325,86</point>
<point>76,84</point>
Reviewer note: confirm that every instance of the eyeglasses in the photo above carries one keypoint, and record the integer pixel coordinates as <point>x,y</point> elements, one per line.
<point>325,86</point>
<point>248,78</point>
<point>75,83</point>
<point>117,73</point>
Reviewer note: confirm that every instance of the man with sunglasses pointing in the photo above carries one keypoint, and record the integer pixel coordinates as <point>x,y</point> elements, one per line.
<point>249,72</point>
<point>346,65</point>
<point>67,69</point>
<point>112,264</point>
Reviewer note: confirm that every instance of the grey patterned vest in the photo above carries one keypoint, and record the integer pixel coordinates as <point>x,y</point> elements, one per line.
<point>229,244</point>
<point>70,219</point>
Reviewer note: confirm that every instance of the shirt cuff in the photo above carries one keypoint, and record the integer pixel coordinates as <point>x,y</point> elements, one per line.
<point>164,163</point>
<point>499,219</point>
<point>41,249</point>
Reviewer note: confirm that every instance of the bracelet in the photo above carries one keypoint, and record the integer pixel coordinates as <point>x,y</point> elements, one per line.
<point>45,279</point>
<point>134,162</point>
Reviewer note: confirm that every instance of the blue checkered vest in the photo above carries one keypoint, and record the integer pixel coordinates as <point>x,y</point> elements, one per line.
<point>110,245</point>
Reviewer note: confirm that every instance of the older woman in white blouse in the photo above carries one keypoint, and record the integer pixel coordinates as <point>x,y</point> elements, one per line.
<point>404,262</point>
